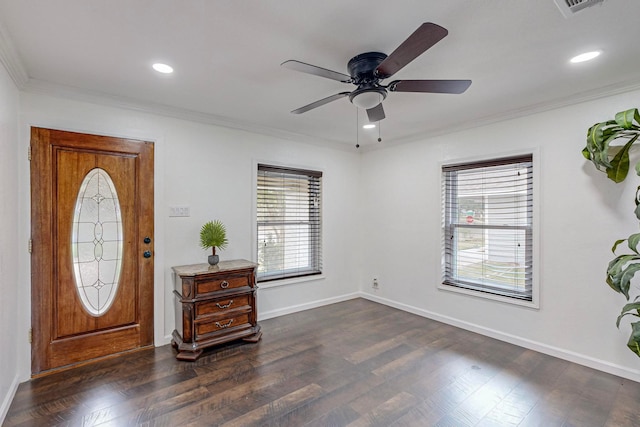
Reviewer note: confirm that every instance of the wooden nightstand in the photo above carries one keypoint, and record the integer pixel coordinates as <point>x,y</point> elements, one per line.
<point>214,305</point>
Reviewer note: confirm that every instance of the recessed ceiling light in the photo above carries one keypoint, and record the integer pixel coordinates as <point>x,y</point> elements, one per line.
<point>163,68</point>
<point>587,56</point>
<point>368,126</point>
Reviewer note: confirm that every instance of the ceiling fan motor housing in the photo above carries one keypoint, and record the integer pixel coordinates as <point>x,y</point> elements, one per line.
<point>362,67</point>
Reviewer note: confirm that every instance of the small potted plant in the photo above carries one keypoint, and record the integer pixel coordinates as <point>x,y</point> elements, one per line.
<point>213,235</point>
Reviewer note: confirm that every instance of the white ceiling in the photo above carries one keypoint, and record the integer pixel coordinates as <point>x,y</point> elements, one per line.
<point>227,56</point>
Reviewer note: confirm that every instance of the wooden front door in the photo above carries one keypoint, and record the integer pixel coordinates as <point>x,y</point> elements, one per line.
<point>92,247</point>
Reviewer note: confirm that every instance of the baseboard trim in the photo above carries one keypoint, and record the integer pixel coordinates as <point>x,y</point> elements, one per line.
<point>560,353</point>
<point>307,306</point>
<point>8,398</point>
<point>163,341</point>
<point>283,311</point>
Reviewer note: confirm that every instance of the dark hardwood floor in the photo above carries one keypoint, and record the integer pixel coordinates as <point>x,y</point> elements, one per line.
<point>355,363</point>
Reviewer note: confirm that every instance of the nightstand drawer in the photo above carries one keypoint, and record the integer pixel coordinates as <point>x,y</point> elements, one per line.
<point>236,322</point>
<point>207,308</point>
<point>215,285</point>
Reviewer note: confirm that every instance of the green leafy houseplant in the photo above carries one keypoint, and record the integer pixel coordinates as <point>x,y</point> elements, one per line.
<point>213,234</point>
<point>608,145</point>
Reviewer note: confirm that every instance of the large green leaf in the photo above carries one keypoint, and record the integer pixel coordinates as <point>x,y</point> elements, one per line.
<point>628,272</point>
<point>612,285</point>
<point>627,309</point>
<point>634,339</point>
<point>599,148</point>
<point>624,119</point>
<point>620,272</point>
<point>608,151</point>
<point>595,135</point>
<point>637,210</point>
<point>599,132</point>
<point>600,154</point>
<point>633,241</point>
<point>620,163</point>
<point>615,245</point>
<point>616,264</point>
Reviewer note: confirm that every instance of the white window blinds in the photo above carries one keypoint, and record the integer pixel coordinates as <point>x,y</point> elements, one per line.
<point>488,218</point>
<point>289,235</point>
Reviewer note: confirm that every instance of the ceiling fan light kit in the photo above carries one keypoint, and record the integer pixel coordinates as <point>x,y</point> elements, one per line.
<point>367,70</point>
<point>367,98</point>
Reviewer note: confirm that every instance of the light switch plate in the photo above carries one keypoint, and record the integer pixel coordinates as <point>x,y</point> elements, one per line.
<point>179,211</point>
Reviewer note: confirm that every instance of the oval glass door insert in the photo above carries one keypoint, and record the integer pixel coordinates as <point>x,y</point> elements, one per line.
<point>97,242</point>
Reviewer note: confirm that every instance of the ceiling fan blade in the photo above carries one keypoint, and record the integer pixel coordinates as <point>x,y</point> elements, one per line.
<point>316,71</point>
<point>417,43</point>
<point>430,86</point>
<point>320,102</point>
<point>376,113</point>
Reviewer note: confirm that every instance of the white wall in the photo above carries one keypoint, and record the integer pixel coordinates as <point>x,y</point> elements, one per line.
<point>9,286</point>
<point>211,170</point>
<point>381,217</point>
<point>581,214</point>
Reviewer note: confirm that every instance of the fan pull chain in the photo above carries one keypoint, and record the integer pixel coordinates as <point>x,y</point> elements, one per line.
<point>357,133</point>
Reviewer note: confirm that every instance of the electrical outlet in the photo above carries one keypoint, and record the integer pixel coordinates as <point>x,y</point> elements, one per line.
<point>179,211</point>
<point>375,284</point>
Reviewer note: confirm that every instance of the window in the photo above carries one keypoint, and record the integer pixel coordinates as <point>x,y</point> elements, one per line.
<point>488,226</point>
<point>289,220</point>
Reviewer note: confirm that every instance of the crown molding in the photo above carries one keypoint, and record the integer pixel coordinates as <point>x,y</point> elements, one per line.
<point>99,98</point>
<point>578,98</point>
<point>11,61</point>
<point>42,87</point>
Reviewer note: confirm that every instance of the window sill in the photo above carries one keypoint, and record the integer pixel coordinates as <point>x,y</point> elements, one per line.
<point>289,281</point>
<point>494,297</point>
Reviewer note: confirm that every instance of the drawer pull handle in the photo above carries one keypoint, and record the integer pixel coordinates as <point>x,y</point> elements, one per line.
<point>224,284</point>
<point>226,325</point>
<point>224,305</point>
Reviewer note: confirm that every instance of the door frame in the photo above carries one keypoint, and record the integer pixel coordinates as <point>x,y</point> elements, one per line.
<point>42,227</point>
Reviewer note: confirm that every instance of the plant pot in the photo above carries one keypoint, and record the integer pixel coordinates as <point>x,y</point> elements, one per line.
<point>213,259</point>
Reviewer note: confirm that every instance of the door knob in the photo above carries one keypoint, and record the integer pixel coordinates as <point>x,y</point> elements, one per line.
<point>147,240</point>
<point>147,254</point>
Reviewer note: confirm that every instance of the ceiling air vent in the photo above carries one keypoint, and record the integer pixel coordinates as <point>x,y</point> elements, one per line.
<point>570,7</point>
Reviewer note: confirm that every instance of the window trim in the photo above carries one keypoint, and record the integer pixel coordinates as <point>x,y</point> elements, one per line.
<point>280,166</point>
<point>535,291</point>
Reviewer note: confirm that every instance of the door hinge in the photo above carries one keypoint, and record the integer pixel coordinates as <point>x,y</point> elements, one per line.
<point>30,246</point>
<point>29,153</point>
<point>30,335</point>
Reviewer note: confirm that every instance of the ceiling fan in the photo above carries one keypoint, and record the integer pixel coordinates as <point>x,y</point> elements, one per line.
<point>367,70</point>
